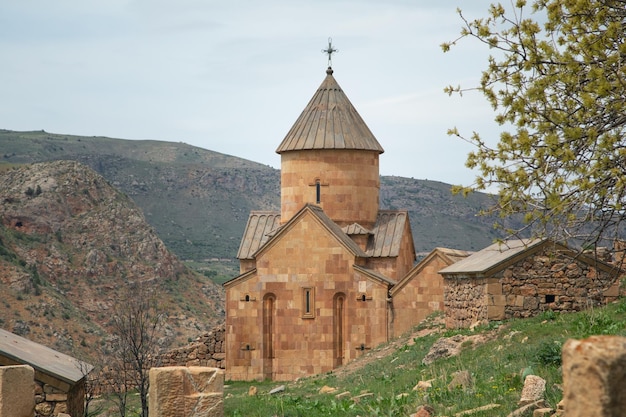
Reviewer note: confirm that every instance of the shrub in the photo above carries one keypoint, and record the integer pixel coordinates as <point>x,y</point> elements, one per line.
<point>549,353</point>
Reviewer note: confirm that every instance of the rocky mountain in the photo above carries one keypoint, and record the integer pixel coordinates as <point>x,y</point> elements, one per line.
<point>198,200</point>
<point>71,245</point>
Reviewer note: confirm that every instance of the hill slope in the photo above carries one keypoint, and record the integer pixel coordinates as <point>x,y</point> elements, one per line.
<point>198,200</point>
<point>69,246</point>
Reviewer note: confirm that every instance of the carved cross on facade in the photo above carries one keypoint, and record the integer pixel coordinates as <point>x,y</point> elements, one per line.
<point>318,190</point>
<point>330,50</point>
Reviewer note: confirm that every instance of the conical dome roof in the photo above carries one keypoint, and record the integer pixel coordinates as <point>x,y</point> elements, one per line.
<point>329,121</point>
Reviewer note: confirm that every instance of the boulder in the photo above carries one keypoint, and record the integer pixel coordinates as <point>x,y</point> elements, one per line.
<point>594,376</point>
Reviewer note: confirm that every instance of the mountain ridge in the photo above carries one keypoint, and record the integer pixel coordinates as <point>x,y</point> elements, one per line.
<point>209,195</point>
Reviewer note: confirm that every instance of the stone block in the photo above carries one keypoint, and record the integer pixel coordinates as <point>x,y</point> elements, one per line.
<point>186,392</point>
<point>497,300</point>
<point>494,288</point>
<point>613,291</point>
<point>56,397</point>
<point>17,391</point>
<point>594,376</point>
<point>533,390</point>
<point>495,312</point>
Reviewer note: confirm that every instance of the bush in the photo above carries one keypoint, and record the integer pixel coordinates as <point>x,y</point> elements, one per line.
<point>595,322</point>
<point>549,353</point>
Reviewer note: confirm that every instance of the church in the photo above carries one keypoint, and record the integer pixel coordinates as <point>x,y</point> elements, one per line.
<point>316,279</point>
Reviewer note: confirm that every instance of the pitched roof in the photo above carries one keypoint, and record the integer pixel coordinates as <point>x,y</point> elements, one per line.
<point>331,226</point>
<point>259,231</point>
<point>387,233</point>
<point>240,278</point>
<point>493,256</point>
<point>449,256</point>
<point>356,229</point>
<point>261,225</point>
<point>43,359</point>
<point>329,121</point>
<point>373,274</point>
<point>384,241</point>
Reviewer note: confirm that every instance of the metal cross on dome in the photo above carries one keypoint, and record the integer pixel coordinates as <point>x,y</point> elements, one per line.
<point>330,50</point>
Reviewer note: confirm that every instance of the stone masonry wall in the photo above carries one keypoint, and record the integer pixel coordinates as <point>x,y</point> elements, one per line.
<point>548,280</point>
<point>208,350</point>
<point>553,281</point>
<point>464,301</point>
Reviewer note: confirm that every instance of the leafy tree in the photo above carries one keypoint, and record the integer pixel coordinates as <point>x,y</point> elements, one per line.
<point>556,79</point>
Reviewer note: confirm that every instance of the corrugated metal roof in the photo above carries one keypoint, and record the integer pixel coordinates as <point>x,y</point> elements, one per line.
<point>490,257</point>
<point>43,359</point>
<point>329,121</point>
<point>260,227</point>
<point>356,229</point>
<point>387,233</point>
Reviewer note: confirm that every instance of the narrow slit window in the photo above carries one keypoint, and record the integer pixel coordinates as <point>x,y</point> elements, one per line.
<point>308,303</point>
<point>318,192</point>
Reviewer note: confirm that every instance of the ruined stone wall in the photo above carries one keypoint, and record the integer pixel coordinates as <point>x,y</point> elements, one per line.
<point>464,301</point>
<point>208,350</point>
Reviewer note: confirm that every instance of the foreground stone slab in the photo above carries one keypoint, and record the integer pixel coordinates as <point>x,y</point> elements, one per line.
<point>594,377</point>
<point>180,391</point>
<point>17,391</point>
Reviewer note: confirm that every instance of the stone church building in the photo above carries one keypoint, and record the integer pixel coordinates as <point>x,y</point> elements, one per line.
<point>331,275</point>
<point>315,278</point>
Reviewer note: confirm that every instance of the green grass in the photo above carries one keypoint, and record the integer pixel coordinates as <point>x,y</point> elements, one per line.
<point>518,347</point>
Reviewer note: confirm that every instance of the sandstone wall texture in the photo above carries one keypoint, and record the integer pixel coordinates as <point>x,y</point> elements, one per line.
<point>349,184</point>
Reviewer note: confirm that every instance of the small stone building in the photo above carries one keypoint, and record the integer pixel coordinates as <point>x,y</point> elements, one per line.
<point>59,378</point>
<point>522,278</point>
<point>314,289</point>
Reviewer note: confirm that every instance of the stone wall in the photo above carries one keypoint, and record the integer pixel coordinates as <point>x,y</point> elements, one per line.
<point>464,302</point>
<point>547,280</point>
<point>554,281</point>
<point>50,401</point>
<point>208,350</point>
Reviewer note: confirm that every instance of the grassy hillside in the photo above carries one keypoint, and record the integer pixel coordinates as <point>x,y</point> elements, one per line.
<point>497,357</point>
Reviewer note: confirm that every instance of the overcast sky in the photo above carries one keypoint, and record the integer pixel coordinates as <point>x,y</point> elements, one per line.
<point>233,76</point>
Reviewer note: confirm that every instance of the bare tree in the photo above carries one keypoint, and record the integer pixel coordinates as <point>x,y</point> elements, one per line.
<point>136,323</point>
